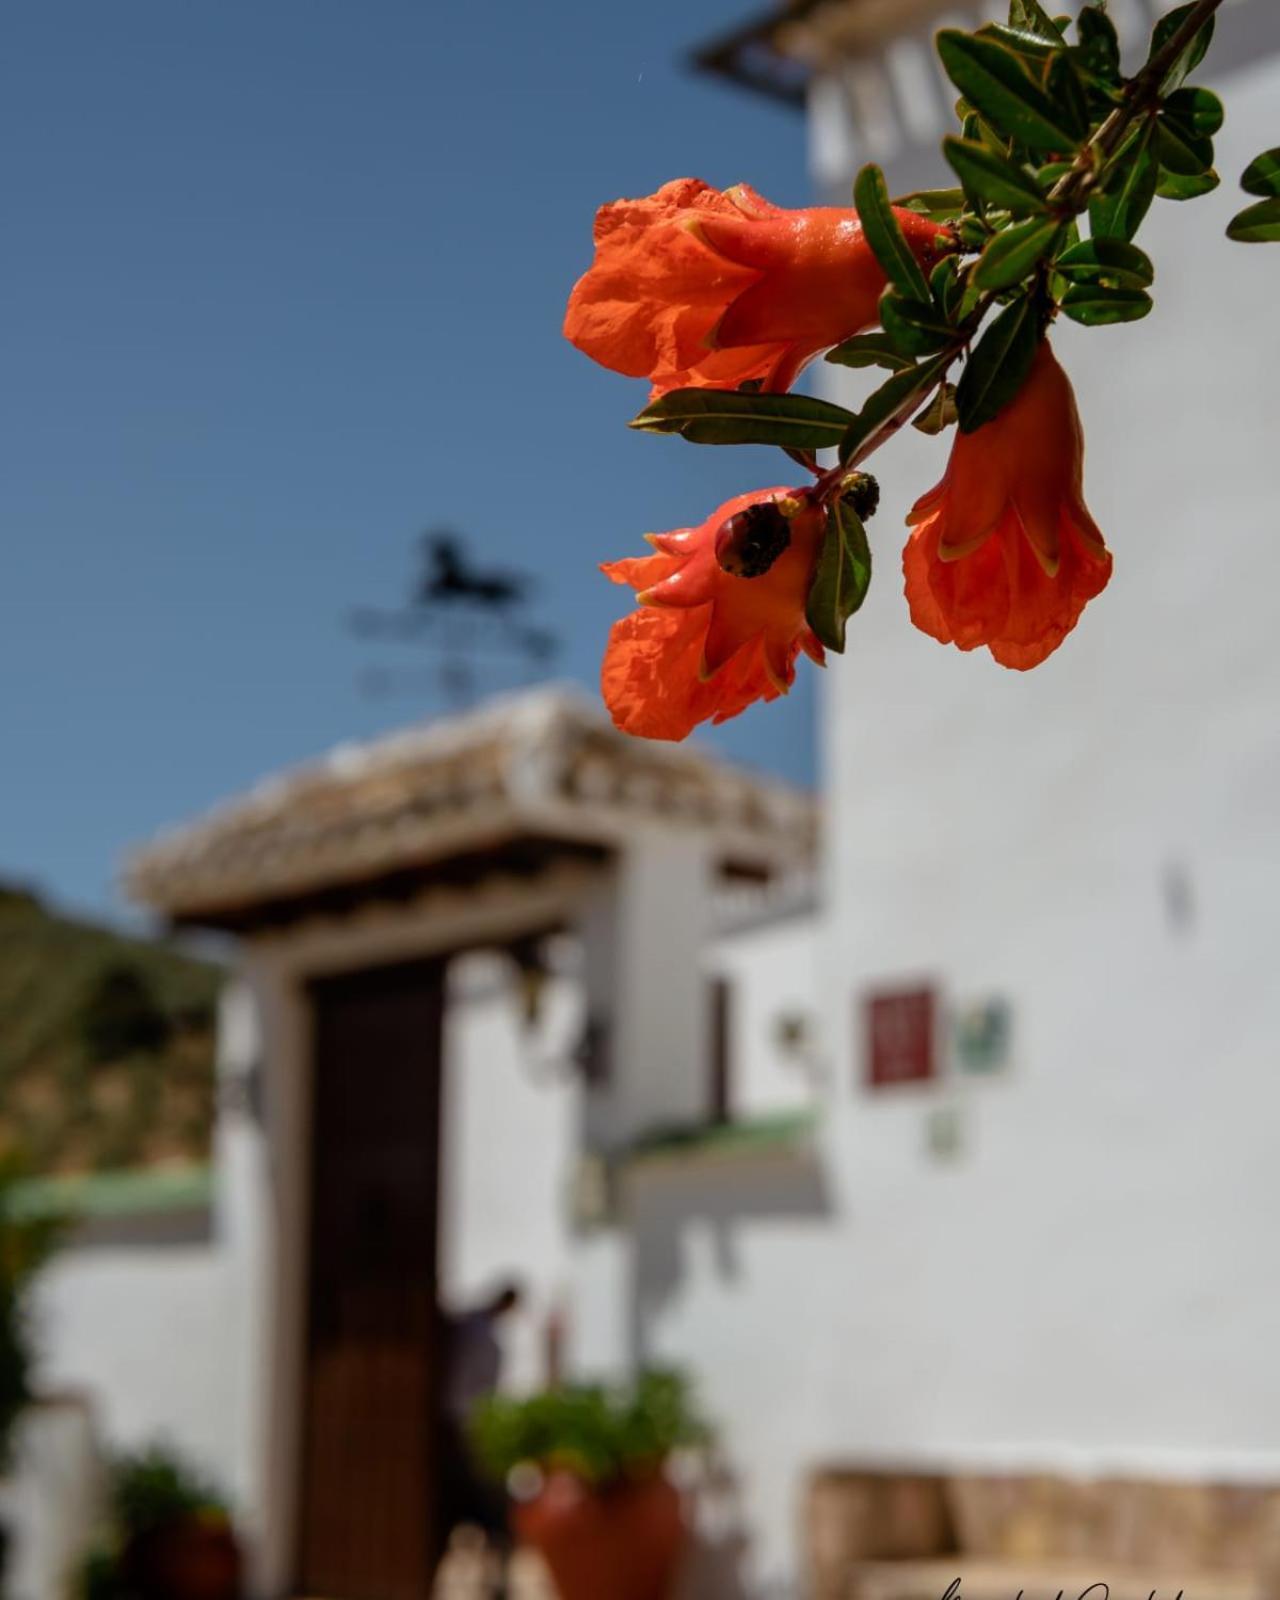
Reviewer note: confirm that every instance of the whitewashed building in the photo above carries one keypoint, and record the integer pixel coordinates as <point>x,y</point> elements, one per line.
<point>488,975</point>
<point>953,1187</point>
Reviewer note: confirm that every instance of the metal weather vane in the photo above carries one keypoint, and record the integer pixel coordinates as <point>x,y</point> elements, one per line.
<point>472,619</point>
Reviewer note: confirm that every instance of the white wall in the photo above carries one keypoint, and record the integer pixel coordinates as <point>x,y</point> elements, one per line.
<point>512,1136</point>
<point>1089,1277</point>
<point>711,1251</point>
<point>137,1327</point>
<point>771,968</point>
<point>509,1142</point>
<point>158,1323</point>
<point>734,1261</point>
<point>50,1499</point>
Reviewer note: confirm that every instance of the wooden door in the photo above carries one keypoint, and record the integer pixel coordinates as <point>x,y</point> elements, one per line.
<point>370,1376</point>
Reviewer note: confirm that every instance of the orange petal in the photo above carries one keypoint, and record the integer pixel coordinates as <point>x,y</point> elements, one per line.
<point>641,572</point>
<point>650,679</point>
<point>1038,508</point>
<point>693,584</point>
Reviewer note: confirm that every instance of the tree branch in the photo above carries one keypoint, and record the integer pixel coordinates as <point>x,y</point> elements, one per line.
<point>1067,197</point>
<point>1140,94</point>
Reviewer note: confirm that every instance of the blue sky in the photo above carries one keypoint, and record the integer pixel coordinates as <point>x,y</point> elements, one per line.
<point>283,286</point>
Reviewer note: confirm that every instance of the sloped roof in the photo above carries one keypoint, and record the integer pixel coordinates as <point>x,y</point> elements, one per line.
<point>523,773</point>
<point>775,52</point>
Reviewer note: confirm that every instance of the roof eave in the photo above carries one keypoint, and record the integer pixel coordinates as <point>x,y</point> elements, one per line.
<point>750,57</point>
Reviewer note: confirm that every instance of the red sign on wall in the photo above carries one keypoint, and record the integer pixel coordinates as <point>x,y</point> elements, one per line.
<point>900,1037</point>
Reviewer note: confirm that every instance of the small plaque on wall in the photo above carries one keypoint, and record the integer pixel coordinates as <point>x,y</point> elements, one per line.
<point>900,1036</point>
<point>984,1036</point>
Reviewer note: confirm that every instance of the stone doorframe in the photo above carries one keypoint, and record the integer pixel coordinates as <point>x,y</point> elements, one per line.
<point>275,970</point>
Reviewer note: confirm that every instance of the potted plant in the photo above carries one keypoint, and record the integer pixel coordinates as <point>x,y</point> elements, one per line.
<point>170,1536</point>
<point>587,1467</point>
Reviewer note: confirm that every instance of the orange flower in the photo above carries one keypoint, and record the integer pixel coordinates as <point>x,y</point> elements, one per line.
<point>1003,552</point>
<point>694,288</point>
<point>704,643</point>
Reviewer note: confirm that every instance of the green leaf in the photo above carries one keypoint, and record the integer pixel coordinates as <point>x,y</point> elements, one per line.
<point>1262,176</point>
<point>917,327</point>
<point>1186,186</point>
<point>1194,53</point>
<point>946,288</point>
<point>1099,43</point>
<point>891,250</point>
<point>869,350</point>
<point>1014,253</point>
<point>895,400</point>
<point>994,80</point>
<point>1033,49</point>
<point>1029,16</point>
<point>1256,224</point>
<point>1068,94</point>
<point>999,364</point>
<point>973,234</point>
<point>941,411</point>
<point>1107,261</point>
<point>1129,189</point>
<point>979,131</point>
<point>1181,151</point>
<point>842,578</point>
<point>1096,306</point>
<point>720,416</point>
<point>1199,109</point>
<point>1139,134</point>
<point>997,179</point>
<point>939,205</point>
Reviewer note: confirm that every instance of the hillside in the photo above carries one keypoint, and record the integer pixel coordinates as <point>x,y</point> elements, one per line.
<point>106,1044</point>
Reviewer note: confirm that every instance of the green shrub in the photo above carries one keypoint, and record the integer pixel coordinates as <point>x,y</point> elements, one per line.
<point>601,1434</point>
<point>121,1016</point>
<point>155,1486</point>
<point>26,1243</point>
<point>99,1577</point>
<point>148,1489</point>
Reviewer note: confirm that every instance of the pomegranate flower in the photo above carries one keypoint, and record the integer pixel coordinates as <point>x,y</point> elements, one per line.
<point>691,287</point>
<point>706,642</point>
<point>1003,552</point>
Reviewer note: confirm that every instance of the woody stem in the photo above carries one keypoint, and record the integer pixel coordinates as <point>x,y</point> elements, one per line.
<point>831,482</point>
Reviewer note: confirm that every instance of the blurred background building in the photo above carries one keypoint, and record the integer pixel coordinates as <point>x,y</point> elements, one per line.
<point>930,1125</point>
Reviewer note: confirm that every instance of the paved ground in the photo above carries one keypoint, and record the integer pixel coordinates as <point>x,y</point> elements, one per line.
<point>469,1572</point>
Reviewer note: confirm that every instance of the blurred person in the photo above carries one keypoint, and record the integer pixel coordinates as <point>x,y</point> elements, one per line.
<point>473,1356</point>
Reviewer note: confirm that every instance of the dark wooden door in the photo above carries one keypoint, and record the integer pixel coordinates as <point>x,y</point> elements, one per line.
<point>371,1368</point>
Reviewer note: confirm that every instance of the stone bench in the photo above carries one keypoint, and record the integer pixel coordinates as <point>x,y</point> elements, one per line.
<point>879,1534</point>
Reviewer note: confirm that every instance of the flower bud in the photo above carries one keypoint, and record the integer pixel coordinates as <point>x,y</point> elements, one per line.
<point>861,493</point>
<point>748,543</point>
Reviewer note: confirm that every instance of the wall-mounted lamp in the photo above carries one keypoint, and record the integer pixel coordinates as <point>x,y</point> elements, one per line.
<point>533,974</point>
<point>796,1039</point>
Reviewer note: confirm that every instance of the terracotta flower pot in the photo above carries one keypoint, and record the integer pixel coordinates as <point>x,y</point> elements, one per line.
<point>193,1558</point>
<point>623,1541</point>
